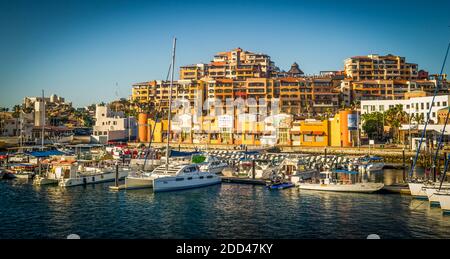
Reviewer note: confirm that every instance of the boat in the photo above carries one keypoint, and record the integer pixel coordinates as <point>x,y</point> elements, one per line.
<point>139,180</point>
<point>329,184</point>
<point>280,186</point>
<point>418,189</point>
<point>444,200</point>
<point>431,188</point>
<point>69,174</point>
<point>179,177</point>
<point>212,165</point>
<point>368,164</point>
<point>23,171</point>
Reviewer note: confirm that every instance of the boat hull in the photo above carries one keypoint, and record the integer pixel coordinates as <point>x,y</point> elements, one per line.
<point>138,182</point>
<point>417,190</point>
<point>165,184</point>
<point>444,201</point>
<point>431,194</point>
<point>359,187</point>
<point>44,181</point>
<point>92,179</point>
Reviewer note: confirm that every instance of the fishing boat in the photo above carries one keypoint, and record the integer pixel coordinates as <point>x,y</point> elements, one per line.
<point>178,177</point>
<point>328,183</point>
<point>72,173</point>
<point>23,170</point>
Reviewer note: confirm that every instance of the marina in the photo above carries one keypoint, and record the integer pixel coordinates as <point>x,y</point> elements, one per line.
<point>228,210</point>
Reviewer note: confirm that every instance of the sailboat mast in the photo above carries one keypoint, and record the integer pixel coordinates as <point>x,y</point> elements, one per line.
<point>170,104</point>
<point>43,120</point>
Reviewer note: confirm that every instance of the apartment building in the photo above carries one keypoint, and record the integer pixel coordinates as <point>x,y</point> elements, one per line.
<point>376,67</point>
<point>113,126</point>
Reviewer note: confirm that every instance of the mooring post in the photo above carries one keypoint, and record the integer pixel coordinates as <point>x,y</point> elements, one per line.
<point>117,175</point>
<point>404,165</point>
<point>253,169</point>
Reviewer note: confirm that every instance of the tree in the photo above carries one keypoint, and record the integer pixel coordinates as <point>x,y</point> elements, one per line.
<point>372,124</point>
<point>395,116</point>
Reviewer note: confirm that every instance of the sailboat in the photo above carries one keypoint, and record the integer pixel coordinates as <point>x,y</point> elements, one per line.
<point>175,176</point>
<point>427,189</point>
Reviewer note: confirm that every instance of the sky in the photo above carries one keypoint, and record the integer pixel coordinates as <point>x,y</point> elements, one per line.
<point>93,51</point>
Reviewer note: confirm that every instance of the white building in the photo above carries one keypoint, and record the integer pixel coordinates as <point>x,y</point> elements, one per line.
<point>414,106</point>
<point>113,126</point>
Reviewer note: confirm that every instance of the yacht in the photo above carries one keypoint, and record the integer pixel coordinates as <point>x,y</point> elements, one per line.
<point>180,176</point>
<point>327,183</point>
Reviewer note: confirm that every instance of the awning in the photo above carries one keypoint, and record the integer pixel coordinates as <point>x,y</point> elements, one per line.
<point>306,132</point>
<point>174,153</point>
<point>318,133</point>
<point>45,153</point>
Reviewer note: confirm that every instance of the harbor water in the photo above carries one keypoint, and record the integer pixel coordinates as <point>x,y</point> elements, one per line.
<point>221,211</point>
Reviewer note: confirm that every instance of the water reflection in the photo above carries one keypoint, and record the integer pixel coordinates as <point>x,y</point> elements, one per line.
<point>221,211</point>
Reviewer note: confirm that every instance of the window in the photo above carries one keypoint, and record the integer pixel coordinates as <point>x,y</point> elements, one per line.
<point>308,138</point>
<point>209,176</point>
<point>421,106</point>
<point>320,138</point>
<point>189,178</point>
<point>434,114</point>
<point>381,108</point>
<point>179,179</point>
<point>444,104</point>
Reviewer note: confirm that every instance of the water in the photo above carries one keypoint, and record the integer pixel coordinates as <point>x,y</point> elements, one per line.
<point>221,211</point>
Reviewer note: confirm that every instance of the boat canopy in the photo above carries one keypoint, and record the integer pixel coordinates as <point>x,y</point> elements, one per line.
<point>45,153</point>
<point>341,171</point>
<point>174,153</point>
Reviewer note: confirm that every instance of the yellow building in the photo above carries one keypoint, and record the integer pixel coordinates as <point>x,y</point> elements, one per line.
<point>314,133</point>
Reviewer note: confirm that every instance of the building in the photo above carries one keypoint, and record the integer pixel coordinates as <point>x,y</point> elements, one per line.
<point>418,107</point>
<point>376,67</point>
<point>113,126</point>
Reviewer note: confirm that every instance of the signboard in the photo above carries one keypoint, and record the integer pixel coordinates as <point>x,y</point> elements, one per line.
<point>225,121</point>
<point>352,121</point>
<point>181,122</point>
<point>371,142</point>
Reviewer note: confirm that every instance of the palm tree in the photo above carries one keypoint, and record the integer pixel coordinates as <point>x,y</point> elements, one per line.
<point>395,116</point>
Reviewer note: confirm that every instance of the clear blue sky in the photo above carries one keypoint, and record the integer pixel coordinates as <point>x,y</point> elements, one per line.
<point>81,49</point>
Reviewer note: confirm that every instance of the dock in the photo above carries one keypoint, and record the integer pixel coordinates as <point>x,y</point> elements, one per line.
<point>243,180</point>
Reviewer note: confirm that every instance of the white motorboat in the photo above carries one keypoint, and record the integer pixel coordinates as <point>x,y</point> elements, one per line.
<point>180,176</point>
<point>330,184</point>
<point>213,165</point>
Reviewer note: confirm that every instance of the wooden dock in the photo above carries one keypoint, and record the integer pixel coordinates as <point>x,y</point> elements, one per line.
<point>243,180</point>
